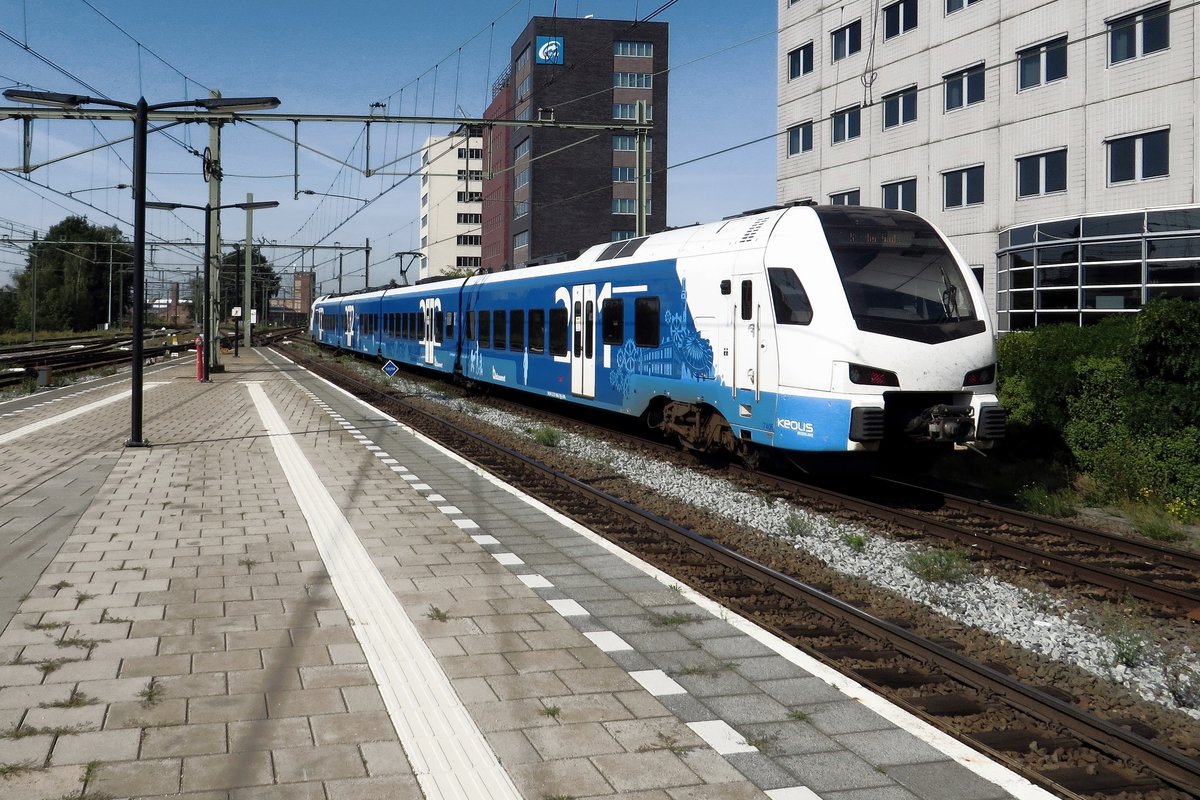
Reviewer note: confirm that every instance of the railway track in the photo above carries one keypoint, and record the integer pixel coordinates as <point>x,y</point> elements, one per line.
<point>1043,731</point>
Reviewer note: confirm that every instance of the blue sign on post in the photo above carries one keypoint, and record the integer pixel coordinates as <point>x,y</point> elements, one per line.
<point>549,50</point>
<point>390,369</point>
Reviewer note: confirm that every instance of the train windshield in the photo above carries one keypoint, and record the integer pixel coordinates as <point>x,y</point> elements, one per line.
<point>899,276</point>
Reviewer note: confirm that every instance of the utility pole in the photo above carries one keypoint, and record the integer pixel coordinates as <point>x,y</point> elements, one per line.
<point>367,266</point>
<point>33,296</point>
<point>212,174</point>
<point>109,326</point>
<point>339,271</point>
<point>249,260</point>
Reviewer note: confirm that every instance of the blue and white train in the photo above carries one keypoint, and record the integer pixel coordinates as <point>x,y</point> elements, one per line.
<point>799,329</point>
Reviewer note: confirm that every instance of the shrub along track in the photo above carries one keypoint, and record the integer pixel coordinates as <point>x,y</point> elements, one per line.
<point>1032,713</point>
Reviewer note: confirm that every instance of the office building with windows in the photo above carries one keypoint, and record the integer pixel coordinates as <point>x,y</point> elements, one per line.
<point>1053,142</point>
<point>451,202</point>
<point>558,190</point>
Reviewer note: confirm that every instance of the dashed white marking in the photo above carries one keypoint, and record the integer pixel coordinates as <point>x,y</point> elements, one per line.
<point>608,641</point>
<point>657,682</point>
<point>721,737</point>
<point>535,581</point>
<point>57,419</point>
<point>448,753</point>
<point>449,509</point>
<point>422,487</point>
<point>485,538</point>
<point>466,524</point>
<point>568,608</point>
<point>436,498</point>
<point>508,559</point>
<point>793,793</point>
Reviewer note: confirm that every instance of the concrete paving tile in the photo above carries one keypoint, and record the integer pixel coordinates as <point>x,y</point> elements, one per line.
<point>205,643</point>
<point>846,716</point>
<point>202,685</point>
<point>366,726</point>
<point>598,679</point>
<point>46,783</point>
<point>393,787</point>
<point>28,750</point>
<point>90,670</point>
<point>944,780</point>
<point>824,772</point>
<point>171,711</point>
<point>888,747</point>
<point>269,734</point>
<point>313,790</point>
<point>513,747</point>
<point>148,666</point>
<point>651,734</point>
<point>227,708</point>
<point>576,777</point>
<point>30,696</point>
<point>741,710</point>
<point>227,661</point>
<point>89,717</point>
<point>508,715</point>
<point>314,656</point>
<point>326,762</point>
<point>263,680</point>
<point>385,758</point>
<point>336,676</point>
<point>305,702</point>
<point>362,698</point>
<point>80,748</point>
<point>237,769</point>
<point>531,684</point>
<point>801,692</point>
<point>183,740</point>
<point>582,740</point>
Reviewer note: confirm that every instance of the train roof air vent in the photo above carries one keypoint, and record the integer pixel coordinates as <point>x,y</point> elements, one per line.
<point>752,232</point>
<point>622,249</point>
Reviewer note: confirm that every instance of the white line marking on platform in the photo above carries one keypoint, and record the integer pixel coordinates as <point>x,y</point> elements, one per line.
<point>485,538</point>
<point>449,509</point>
<point>34,427</point>
<point>568,608</point>
<point>436,498</point>
<point>447,751</point>
<point>657,682</point>
<point>466,524</point>
<point>608,641</point>
<point>535,581</point>
<point>508,559</point>
<point>422,487</point>
<point>721,737</point>
<point>793,793</point>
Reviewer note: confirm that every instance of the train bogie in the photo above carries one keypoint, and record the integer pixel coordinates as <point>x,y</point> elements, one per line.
<point>797,329</point>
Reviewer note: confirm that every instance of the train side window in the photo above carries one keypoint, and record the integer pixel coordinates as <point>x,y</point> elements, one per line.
<point>516,331</point>
<point>421,333</point>
<point>560,329</point>
<point>537,330</point>
<point>646,322</point>
<point>439,325</point>
<point>498,334</point>
<point>612,320</point>
<point>589,328</point>
<point>577,326</point>
<point>747,300</point>
<point>485,329</point>
<point>788,298</point>
<point>470,325</point>
<point>450,325</point>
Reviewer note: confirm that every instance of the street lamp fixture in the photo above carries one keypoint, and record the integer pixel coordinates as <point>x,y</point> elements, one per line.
<point>325,194</point>
<point>74,192</point>
<point>208,209</point>
<point>141,123</point>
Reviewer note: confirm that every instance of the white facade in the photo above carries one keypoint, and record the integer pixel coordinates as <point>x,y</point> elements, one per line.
<point>451,203</point>
<point>1130,70</point>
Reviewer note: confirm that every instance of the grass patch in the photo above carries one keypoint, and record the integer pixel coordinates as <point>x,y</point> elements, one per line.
<point>939,566</point>
<point>550,437</point>
<point>855,541</point>
<point>1038,499</point>
<point>1155,524</point>
<point>798,524</point>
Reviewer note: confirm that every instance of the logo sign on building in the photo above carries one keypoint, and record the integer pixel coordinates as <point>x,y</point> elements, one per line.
<point>549,50</point>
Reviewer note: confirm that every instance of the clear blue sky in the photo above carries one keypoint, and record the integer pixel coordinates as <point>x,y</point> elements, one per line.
<point>418,58</point>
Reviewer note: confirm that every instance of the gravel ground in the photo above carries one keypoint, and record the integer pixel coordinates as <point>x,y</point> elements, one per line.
<point>1063,630</point>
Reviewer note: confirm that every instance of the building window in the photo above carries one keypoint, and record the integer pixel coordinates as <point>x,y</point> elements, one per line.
<point>524,87</point>
<point>899,107</point>
<point>633,80</point>
<point>899,18</point>
<point>467,219</point>
<point>522,149</point>
<point>470,174</point>
<point>963,187</point>
<point>800,138</point>
<point>1139,34</point>
<point>847,124</point>
<point>468,240</point>
<point>620,236</point>
<point>1042,174</point>
<point>901,195</point>
<point>627,175</point>
<point>521,179</point>
<point>847,41</point>
<point>520,239</point>
<point>849,198</point>
<point>467,261</point>
<point>627,141</point>
<point>469,197</point>
<point>627,205</point>
<point>955,5</point>
<point>1139,158</point>
<point>1042,63</point>
<point>800,61</point>
<point>629,111</point>
<point>468,153</point>
<point>520,208</point>
<point>964,88</point>
<point>523,59</point>
<point>633,49</point>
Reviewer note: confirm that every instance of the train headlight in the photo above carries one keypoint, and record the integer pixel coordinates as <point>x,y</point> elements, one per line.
<point>981,376</point>
<point>870,376</point>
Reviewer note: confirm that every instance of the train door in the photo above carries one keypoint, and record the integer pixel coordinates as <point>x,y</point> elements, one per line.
<point>429,310</point>
<point>348,329</point>
<point>746,333</point>
<point>583,340</point>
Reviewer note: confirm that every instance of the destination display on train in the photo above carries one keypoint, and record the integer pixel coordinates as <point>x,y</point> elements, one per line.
<point>870,236</point>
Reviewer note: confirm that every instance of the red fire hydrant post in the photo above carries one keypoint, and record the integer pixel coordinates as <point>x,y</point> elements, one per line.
<point>200,358</point>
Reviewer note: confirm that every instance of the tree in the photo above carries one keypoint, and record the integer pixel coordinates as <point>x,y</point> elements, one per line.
<point>263,282</point>
<point>71,270</point>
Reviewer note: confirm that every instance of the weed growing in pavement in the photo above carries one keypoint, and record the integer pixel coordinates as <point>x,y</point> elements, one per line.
<point>248,563</point>
<point>760,743</point>
<point>61,585</point>
<point>673,619</point>
<point>152,694</point>
<point>550,437</point>
<point>104,617</point>
<point>9,770</point>
<point>79,641</point>
<point>724,666</point>
<point>45,626</point>
<point>798,715</point>
<point>22,731</point>
<point>551,711</point>
<point>1182,679</point>
<point>83,597</point>
<point>436,614</point>
<point>76,700</point>
<point>51,665</point>
<point>939,566</point>
<point>667,742</point>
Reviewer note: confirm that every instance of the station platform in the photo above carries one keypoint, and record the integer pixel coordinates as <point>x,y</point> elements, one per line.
<point>290,595</point>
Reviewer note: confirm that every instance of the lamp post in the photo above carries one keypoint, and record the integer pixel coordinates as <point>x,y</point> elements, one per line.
<point>141,123</point>
<point>208,210</point>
